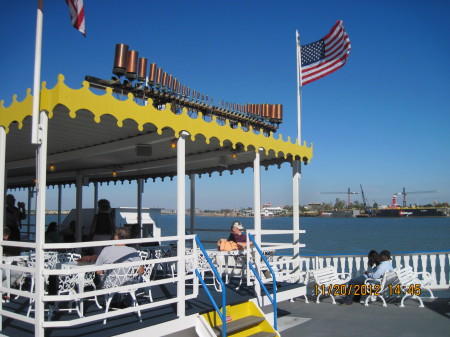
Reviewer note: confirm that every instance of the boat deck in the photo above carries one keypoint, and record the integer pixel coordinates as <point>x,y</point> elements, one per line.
<point>325,319</point>
<point>295,318</point>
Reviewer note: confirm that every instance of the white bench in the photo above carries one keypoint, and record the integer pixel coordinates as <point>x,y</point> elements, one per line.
<point>379,287</point>
<point>412,285</point>
<point>326,280</point>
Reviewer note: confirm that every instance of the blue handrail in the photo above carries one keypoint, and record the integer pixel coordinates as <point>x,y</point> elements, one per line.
<point>273,299</point>
<point>223,314</point>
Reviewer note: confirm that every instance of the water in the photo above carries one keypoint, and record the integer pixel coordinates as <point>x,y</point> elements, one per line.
<point>337,236</point>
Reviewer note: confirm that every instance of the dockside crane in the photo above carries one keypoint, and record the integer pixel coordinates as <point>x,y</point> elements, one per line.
<point>404,193</point>
<point>348,194</point>
<point>363,198</point>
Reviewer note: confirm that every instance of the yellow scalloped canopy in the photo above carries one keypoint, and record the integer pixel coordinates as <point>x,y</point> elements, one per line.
<point>93,135</point>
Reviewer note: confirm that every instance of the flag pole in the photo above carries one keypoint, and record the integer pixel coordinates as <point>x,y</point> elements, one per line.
<point>296,166</point>
<point>299,87</point>
<point>37,74</point>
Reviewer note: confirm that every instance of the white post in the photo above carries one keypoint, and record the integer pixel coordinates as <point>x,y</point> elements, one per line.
<point>257,196</point>
<point>192,224</point>
<point>257,213</point>
<point>181,223</point>
<point>79,206</point>
<point>2,195</point>
<point>139,204</point>
<point>41,174</point>
<point>296,174</point>
<point>37,73</point>
<point>299,88</point>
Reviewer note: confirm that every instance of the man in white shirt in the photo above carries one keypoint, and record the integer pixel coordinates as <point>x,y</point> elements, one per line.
<point>376,273</point>
<point>117,254</point>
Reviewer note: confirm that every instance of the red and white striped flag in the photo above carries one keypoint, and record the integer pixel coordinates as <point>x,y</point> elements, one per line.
<point>77,15</point>
<point>322,57</point>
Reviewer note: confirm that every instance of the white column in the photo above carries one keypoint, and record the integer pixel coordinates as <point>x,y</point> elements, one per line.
<point>2,194</point>
<point>296,174</point>
<point>41,174</point>
<point>257,213</point>
<point>37,73</point>
<point>192,224</point>
<point>181,223</point>
<point>79,206</point>
<point>257,196</point>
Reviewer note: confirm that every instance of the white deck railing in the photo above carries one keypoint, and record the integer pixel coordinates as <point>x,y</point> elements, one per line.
<point>436,263</point>
<point>73,319</point>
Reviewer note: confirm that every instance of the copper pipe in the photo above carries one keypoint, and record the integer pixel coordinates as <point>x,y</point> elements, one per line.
<point>132,63</point>
<point>164,79</point>
<point>271,111</point>
<point>169,82</point>
<point>152,74</point>
<point>120,59</point>
<point>178,88</point>
<point>278,112</point>
<point>174,84</point>
<point>183,90</point>
<point>159,76</point>
<point>265,112</point>
<point>142,70</point>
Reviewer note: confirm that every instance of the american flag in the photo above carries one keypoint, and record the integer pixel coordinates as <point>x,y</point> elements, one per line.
<point>322,57</point>
<point>77,14</point>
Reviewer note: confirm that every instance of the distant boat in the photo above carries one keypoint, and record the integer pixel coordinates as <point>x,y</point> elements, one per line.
<point>411,212</point>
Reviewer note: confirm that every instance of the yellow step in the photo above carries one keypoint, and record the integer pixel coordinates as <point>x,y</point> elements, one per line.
<point>243,320</point>
<point>239,324</point>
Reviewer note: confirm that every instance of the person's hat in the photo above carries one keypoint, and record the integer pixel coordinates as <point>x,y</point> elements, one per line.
<point>238,225</point>
<point>386,253</point>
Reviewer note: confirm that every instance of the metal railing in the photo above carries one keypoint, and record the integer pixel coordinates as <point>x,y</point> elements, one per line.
<point>272,299</point>
<point>223,314</point>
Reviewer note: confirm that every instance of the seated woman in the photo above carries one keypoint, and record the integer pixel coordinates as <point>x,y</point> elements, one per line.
<point>51,234</point>
<point>237,235</point>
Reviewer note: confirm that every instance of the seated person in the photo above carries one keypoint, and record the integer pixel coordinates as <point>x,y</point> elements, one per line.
<point>237,235</point>
<point>68,233</point>
<point>117,254</point>
<point>51,234</point>
<point>376,273</point>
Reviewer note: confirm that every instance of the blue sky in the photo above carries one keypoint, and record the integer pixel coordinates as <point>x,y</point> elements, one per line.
<point>381,121</point>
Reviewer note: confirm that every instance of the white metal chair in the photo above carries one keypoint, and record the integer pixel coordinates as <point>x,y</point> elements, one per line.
<point>202,266</point>
<point>147,276</point>
<point>50,261</point>
<point>88,278</point>
<point>122,276</point>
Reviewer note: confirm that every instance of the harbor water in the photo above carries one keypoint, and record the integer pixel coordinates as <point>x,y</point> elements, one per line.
<point>335,236</point>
